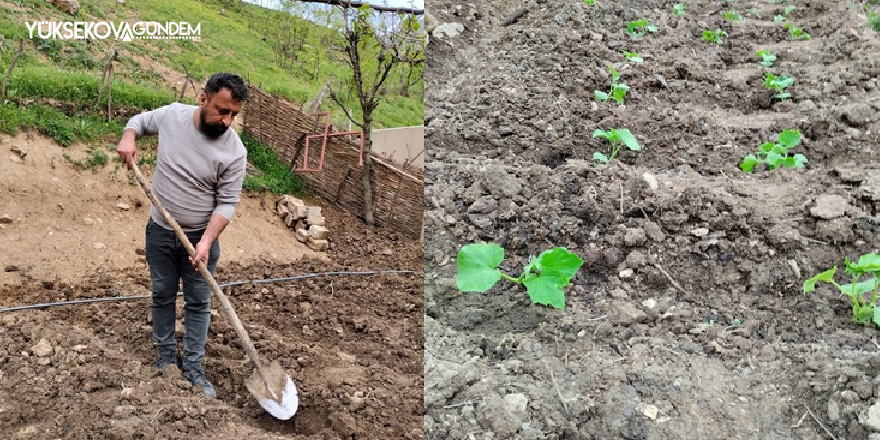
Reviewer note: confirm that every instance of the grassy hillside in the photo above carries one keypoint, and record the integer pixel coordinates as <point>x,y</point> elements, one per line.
<point>54,86</point>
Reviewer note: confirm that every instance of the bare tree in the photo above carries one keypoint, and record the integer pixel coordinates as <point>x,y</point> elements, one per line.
<point>372,46</point>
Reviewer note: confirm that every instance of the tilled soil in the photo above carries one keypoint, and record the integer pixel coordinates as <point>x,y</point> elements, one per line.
<point>687,320</point>
<point>352,344</point>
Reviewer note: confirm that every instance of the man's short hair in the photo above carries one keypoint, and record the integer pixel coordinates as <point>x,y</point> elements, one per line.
<point>228,81</point>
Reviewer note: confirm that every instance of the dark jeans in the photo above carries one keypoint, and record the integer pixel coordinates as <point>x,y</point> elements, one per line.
<point>169,263</point>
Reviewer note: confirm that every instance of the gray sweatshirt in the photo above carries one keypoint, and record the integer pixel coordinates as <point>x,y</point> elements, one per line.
<point>195,176</point>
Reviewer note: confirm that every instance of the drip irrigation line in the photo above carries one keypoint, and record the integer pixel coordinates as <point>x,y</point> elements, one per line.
<point>236,283</point>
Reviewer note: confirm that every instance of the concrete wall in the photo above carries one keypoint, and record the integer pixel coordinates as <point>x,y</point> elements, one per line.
<point>401,145</point>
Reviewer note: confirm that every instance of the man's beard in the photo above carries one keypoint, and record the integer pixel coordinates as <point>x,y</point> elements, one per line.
<point>212,131</point>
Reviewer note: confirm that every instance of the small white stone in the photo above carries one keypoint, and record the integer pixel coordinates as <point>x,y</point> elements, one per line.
<point>626,273</point>
<point>700,232</point>
<point>650,180</point>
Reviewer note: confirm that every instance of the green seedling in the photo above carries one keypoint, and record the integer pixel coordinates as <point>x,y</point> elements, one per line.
<point>636,29</point>
<point>633,57</point>
<point>732,16</point>
<point>766,57</point>
<point>775,154</point>
<point>796,33</point>
<point>618,89</point>
<point>590,2</point>
<point>864,310</point>
<point>678,9</point>
<point>544,276</point>
<point>618,137</point>
<point>789,9</point>
<point>779,84</point>
<point>778,18</point>
<point>714,36</point>
<point>874,20</point>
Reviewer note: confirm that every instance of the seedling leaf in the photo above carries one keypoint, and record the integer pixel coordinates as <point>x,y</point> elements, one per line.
<point>545,290</point>
<point>600,157</point>
<point>629,139</point>
<point>559,263</point>
<point>774,159</point>
<point>827,276</point>
<point>867,263</point>
<point>601,96</point>
<point>865,314</point>
<point>859,288</point>
<point>478,267</point>
<point>790,138</point>
<point>749,163</point>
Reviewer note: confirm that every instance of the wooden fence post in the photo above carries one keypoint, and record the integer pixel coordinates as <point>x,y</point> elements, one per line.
<point>11,66</point>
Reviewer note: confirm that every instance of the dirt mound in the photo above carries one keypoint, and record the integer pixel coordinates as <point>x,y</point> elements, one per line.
<point>687,320</point>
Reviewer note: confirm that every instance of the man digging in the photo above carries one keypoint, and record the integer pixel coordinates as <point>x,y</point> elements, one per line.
<point>200,166</point>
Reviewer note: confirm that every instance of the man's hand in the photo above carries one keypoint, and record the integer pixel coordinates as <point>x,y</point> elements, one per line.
<point>203,249</point>
<point>203,252</point>
<point>127,149</point>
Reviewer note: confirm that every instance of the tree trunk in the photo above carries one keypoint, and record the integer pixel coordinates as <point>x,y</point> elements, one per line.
<point>365,173</point>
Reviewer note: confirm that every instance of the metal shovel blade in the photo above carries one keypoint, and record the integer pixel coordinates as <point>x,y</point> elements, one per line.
<point>281,400</point>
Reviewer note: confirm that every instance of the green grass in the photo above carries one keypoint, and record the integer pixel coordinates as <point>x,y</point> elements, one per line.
<point>874,20</point>
<point>232,40</point>
<point>56,124</point>
<point>277,177</point>
<point>95,158</point>
<point>34,81</point>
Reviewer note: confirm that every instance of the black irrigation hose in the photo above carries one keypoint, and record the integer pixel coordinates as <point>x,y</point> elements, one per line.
<point>237,283</point>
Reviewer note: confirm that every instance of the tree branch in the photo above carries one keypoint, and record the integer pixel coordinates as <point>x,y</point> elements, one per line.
<point>343,107</point>
<point>357,4</point>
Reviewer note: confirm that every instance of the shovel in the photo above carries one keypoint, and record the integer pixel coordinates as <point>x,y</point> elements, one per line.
<point>271,386</point>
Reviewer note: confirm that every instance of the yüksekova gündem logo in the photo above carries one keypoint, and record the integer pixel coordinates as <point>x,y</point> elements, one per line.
<point>123,31</point>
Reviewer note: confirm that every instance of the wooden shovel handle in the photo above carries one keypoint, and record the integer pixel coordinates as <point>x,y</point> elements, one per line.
<point>227,306</point>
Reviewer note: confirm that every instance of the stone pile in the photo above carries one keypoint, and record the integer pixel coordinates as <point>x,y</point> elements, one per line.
<point>307,221</point>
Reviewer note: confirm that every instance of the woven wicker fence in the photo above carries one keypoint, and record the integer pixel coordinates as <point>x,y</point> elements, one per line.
<point>398,191</point>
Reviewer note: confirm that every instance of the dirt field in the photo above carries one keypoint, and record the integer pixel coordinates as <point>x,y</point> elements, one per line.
<point>353,344</point>
<point>687,319</point>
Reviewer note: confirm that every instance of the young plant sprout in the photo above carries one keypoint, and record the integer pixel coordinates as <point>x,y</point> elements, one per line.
<point>775,154</point>
<point>618,89</point>
<point>796,33</point>
<point>618,137</point>
<point>766,57</point>
<point>864,310</point>
<point>714,36</point>
<point>633,57</point>
<point>678,9</point>
<point>636,29</point>
<point>544,277</point>
<point>779,84</point>
<point>732,16</point>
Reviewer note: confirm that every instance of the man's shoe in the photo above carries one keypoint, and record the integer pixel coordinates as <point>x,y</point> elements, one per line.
<point>196,377</point>
<point>166,359</point>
